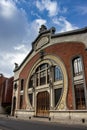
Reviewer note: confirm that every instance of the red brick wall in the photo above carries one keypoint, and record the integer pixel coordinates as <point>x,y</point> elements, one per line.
<point>2,80</point>
<point>7,91</point>
<point>66,51</point>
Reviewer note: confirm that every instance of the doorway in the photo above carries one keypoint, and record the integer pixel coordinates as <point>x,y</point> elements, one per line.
<point>42,104</point>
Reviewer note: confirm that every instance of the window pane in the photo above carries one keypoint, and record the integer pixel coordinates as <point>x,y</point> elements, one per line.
<point>57,73</point>
<point>21,101</point>
<point>57,93</point>
<point>48,75</point>
<point>22,84</point>
<point>77,66</point>
<point>80,96</point>
<point>31,98</point>
<point>43,78</point>
<point>31,82</point>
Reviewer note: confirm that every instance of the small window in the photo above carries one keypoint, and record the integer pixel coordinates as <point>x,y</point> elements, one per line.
<point>57,93</point>
<point>30,98</point>
<point>31,82</point>
<point>15,86</point>
<point>22,84</point>
<point>57,73</point>
<point>77,66</point>
<point>21,101</point>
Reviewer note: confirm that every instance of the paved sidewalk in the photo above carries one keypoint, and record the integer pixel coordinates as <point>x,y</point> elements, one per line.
<point>46,120</point>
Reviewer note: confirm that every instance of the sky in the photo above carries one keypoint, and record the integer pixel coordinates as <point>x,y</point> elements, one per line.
<point>20,21</point>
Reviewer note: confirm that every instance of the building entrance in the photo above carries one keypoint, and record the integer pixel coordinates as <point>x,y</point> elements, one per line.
<point>42,104</point>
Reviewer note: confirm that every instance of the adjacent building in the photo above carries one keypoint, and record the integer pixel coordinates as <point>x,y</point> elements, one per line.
<point>52,80</point>
<point>6,89</point>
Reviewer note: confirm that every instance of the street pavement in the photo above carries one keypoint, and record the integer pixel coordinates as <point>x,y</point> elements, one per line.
<point>12,123</point>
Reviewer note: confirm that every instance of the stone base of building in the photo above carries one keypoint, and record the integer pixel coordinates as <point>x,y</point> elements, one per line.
<point>71,115</point>
<point>74,116</point>
<point>24,113</point>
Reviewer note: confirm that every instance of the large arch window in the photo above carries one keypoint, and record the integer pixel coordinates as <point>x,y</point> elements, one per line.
<point>50,75</point>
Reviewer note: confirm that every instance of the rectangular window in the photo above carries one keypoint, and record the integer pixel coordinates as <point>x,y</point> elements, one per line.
<point>31,81</point>
<point>80,96</point>
<point>48,75</point>
<point>30,98</point>
<point>57,93</point>
<point>77,66</point>
<point>22,84</point>
<point>43,78</point>
<point>21,101</point>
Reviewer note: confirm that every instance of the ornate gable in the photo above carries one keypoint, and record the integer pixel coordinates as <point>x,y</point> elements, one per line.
<point>43,37</point>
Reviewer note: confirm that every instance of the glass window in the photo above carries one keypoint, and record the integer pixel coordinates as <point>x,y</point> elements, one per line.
<point>80,96</point>
<point>31,82</point>
<point>42,77</point>
<point>42,74</point>
<point>21,101</point>
<point>30,98</point>
<point>57,93</point>
<point>15,86</point>
<point>22,84</point>
<point>77,66</point>
<point>57,73</point>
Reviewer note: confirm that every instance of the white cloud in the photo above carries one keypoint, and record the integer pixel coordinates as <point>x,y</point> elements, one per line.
<point>14,26</point>
<point>9,58</point>
<point>64,24</point>
<point>50,6</point>
<point>7,8</point>
<point>35,14</point>
<point>19,47</point>
<point>14,29</point>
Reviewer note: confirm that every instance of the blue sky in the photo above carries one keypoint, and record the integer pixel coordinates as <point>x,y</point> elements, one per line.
<point>20,21</point>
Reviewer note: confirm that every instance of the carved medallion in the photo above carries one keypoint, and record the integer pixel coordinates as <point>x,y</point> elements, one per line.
<point>42,42</point>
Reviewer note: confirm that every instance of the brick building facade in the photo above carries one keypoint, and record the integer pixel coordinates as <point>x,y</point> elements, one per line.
<point>52,79</point>
<point>6,89</point>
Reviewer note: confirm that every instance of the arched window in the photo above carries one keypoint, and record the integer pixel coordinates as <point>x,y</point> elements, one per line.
<point>47,75</point>
<point>77,66</point>
<point>57,73</point>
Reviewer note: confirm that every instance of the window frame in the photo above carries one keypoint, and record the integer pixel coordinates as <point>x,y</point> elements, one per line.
<point>77,66</point>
